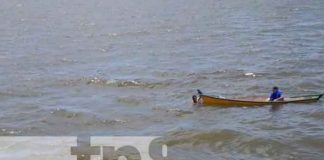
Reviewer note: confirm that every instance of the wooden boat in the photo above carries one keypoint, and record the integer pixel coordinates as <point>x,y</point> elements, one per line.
<point>252,101</point>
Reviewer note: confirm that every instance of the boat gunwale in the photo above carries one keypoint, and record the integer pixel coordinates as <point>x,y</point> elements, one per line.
<point>312,95</point>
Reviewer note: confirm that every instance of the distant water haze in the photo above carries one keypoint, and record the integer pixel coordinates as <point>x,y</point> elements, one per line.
<point>129,68</point>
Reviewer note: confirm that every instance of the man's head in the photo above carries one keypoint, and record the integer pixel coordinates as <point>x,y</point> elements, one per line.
<point>275,89</point>
<point>194,99</point>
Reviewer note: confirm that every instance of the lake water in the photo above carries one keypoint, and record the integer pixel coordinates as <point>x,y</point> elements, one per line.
<point>130,67</point>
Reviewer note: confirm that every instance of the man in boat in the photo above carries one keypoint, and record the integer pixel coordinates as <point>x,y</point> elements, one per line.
<point>276,94</point>
<point>196,100</point>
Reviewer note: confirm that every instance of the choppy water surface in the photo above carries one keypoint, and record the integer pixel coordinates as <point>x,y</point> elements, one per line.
<point>129,68</point>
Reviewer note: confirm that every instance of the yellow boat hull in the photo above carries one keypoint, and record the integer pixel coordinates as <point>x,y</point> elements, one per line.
<point>253,101</point>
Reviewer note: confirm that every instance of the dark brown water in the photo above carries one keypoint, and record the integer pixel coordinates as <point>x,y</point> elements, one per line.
<point>129,68</point>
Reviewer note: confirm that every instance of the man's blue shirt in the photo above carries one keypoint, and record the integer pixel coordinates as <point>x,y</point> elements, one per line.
<point>275,95</point>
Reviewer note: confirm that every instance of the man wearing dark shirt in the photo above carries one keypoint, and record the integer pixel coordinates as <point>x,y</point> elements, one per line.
<point>276,94</point>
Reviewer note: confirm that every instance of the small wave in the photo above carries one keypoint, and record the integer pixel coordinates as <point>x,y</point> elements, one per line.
<point>68,82</point>
<point>229,141</point>
<point>317,115</point>
<point>196,137</point>
<point>98,122</point>
<point>228,74</point>
<point>20,93</point>
<point>117,83</point>
<point>81,118</point>
<point>131,100</point>
<point>10,132</point>
<point>179,112</point>
<point>250,74</point>
<point>126,34</point>
<point>126,83</point>
<point>309,84</point>
<point>64,113</point>
<point>175,111</point>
